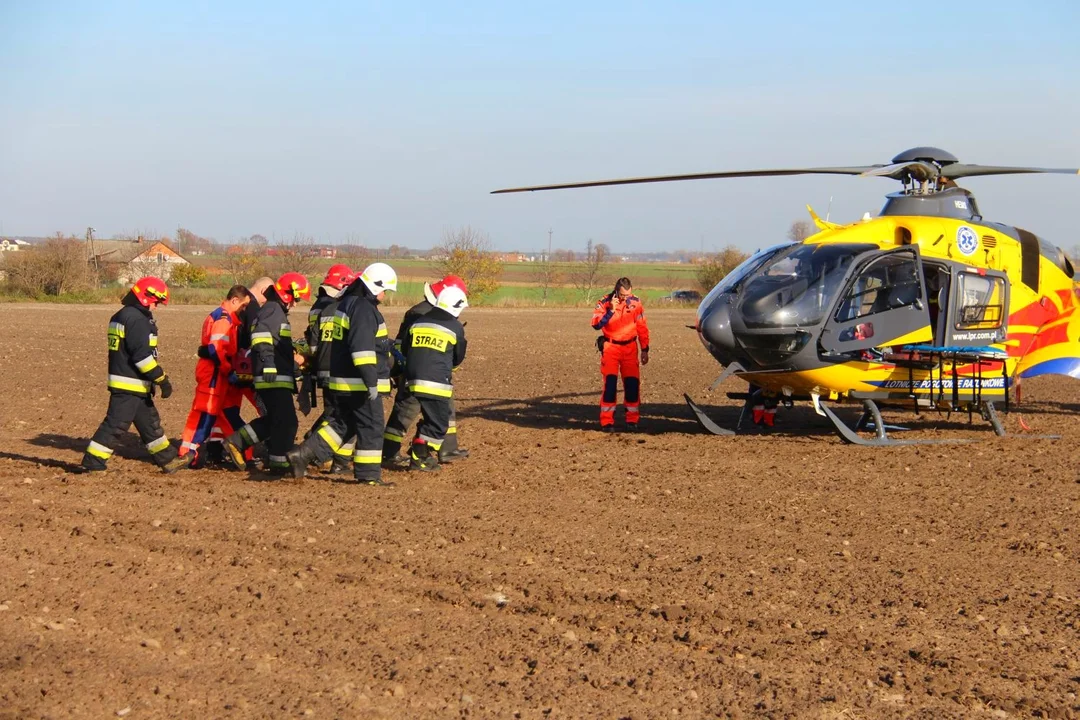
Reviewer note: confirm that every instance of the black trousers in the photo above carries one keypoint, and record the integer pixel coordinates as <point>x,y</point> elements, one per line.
<point>355,416</point>
<point>124,409</point>
<point>434,421</point>
<point>330,409</point>
<point>276,427</point>
<point>406,411</point>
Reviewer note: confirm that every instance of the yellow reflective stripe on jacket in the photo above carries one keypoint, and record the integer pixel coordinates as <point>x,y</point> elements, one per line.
<point>147,364</point>
<point>428,387</point>
<point>346,384</point>
<point>116,328</point>
<point>120,382</point>
<point>153,340</point>
<point>364,357</point>
<point>261,337</point>
<point>285,331</point>
<point>381,332</point>
<point>286,384</point>
<point>384,385</point>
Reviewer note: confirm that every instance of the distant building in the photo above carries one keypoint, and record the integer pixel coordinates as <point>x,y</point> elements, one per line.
<point>12,245</point>
<point>132,259</point>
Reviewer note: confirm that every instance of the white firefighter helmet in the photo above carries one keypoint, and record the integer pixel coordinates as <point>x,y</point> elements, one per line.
<point>379,277</point>
<point>452,299</point>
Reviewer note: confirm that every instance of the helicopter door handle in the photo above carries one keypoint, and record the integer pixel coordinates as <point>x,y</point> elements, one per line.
<point>918,304</point>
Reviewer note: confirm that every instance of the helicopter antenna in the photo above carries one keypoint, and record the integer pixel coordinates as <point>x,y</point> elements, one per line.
<point>828,210</point>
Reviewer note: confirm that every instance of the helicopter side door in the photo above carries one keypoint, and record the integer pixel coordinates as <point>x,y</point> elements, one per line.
<point>883,304</point>
<point>978,307</point>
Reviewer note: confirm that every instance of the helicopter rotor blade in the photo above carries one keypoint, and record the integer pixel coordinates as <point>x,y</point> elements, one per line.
<point>917,169</point>
<point>696,176</point>
<point>962,170</point>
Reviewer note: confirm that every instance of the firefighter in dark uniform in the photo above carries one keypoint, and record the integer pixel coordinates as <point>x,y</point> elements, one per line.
<point>134,375</point>
<point>406,408</point>
<point>359,376</point>
<point>273,368</point>
<point>434,347</point>
<point>320,335</point>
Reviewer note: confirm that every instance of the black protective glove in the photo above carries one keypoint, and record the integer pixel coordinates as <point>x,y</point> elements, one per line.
<point>166,387</point>
<point>303,398</point>
<point>373,393</point>
<point>269,376</point>
<point>600,342</point>
<point>203,352</point>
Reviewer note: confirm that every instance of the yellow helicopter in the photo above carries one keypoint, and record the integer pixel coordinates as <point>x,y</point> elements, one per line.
<point>926,306</point>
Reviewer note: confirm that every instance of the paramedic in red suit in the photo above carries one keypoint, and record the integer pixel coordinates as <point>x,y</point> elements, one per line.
<point>621,318</point>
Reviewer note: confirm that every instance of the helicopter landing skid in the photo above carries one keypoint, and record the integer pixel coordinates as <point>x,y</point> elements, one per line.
<point>881,436</point>
<point>707,422</point>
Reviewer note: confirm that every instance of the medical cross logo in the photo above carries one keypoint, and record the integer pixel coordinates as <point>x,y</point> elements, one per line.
<point>966,240</point>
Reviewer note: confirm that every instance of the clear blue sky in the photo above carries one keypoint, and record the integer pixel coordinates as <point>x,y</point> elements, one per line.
<point>391,122</point>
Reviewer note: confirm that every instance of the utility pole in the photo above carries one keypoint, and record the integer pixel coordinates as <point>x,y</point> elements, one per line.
<point>548,258</point>
<point>93,255</point>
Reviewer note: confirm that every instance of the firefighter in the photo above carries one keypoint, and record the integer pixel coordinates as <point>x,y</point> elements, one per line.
<point>435,345</point>
<point>273,368</point>
<point>320,334</point>
<point>216,353</point>
<point>359,375</point>
<point>620,316</point>
<point>134,376</point>
<point>406,407</point>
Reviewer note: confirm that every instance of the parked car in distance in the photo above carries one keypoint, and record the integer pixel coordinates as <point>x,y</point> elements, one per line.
<point>682,296</point>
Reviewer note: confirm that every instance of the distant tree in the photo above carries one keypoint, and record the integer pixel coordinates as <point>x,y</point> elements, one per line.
<point>56,267</point>
<point>466,252</point>
<point>356,256</point>
<point>563,256</point>
<point>243,264</point>
<point>297,255</point>
<point>188,242</point>
<point>713,269</point>
<point>587,273</point>
<point>546,276</point>
<point>603,253</point>
<point>800,230</point>
<point>187,276</point>
<point>258,240</point>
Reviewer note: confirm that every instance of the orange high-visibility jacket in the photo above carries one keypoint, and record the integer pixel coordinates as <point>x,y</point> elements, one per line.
<point>624,324</point>
<point>219,338</point>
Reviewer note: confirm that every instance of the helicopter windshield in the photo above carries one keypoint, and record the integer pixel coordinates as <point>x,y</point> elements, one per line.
<point>796,287</point>
<point>739,273</point>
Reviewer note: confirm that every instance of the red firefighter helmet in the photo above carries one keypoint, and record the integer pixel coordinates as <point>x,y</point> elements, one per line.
<point>339,276</point>
<point>432,291</point>
<point>293,287</point>
<point>151,290</point>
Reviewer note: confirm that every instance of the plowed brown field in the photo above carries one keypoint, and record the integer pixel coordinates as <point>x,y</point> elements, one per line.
<point>558,572</point>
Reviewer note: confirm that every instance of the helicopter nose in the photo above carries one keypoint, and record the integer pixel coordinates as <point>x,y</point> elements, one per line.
<point>714,329</point>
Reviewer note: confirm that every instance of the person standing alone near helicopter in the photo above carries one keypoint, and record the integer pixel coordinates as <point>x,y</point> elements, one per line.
<point>620,316</point>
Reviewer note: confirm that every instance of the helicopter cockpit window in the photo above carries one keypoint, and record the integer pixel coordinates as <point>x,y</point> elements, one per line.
<point>739,273</point>
<point>797,286</point>
<point>981,302</point>
<point>888,283</point>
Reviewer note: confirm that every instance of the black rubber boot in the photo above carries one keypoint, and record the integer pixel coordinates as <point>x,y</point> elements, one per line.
<point>299,459</point>
<point>422,459</point>
<point>449,456</point>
